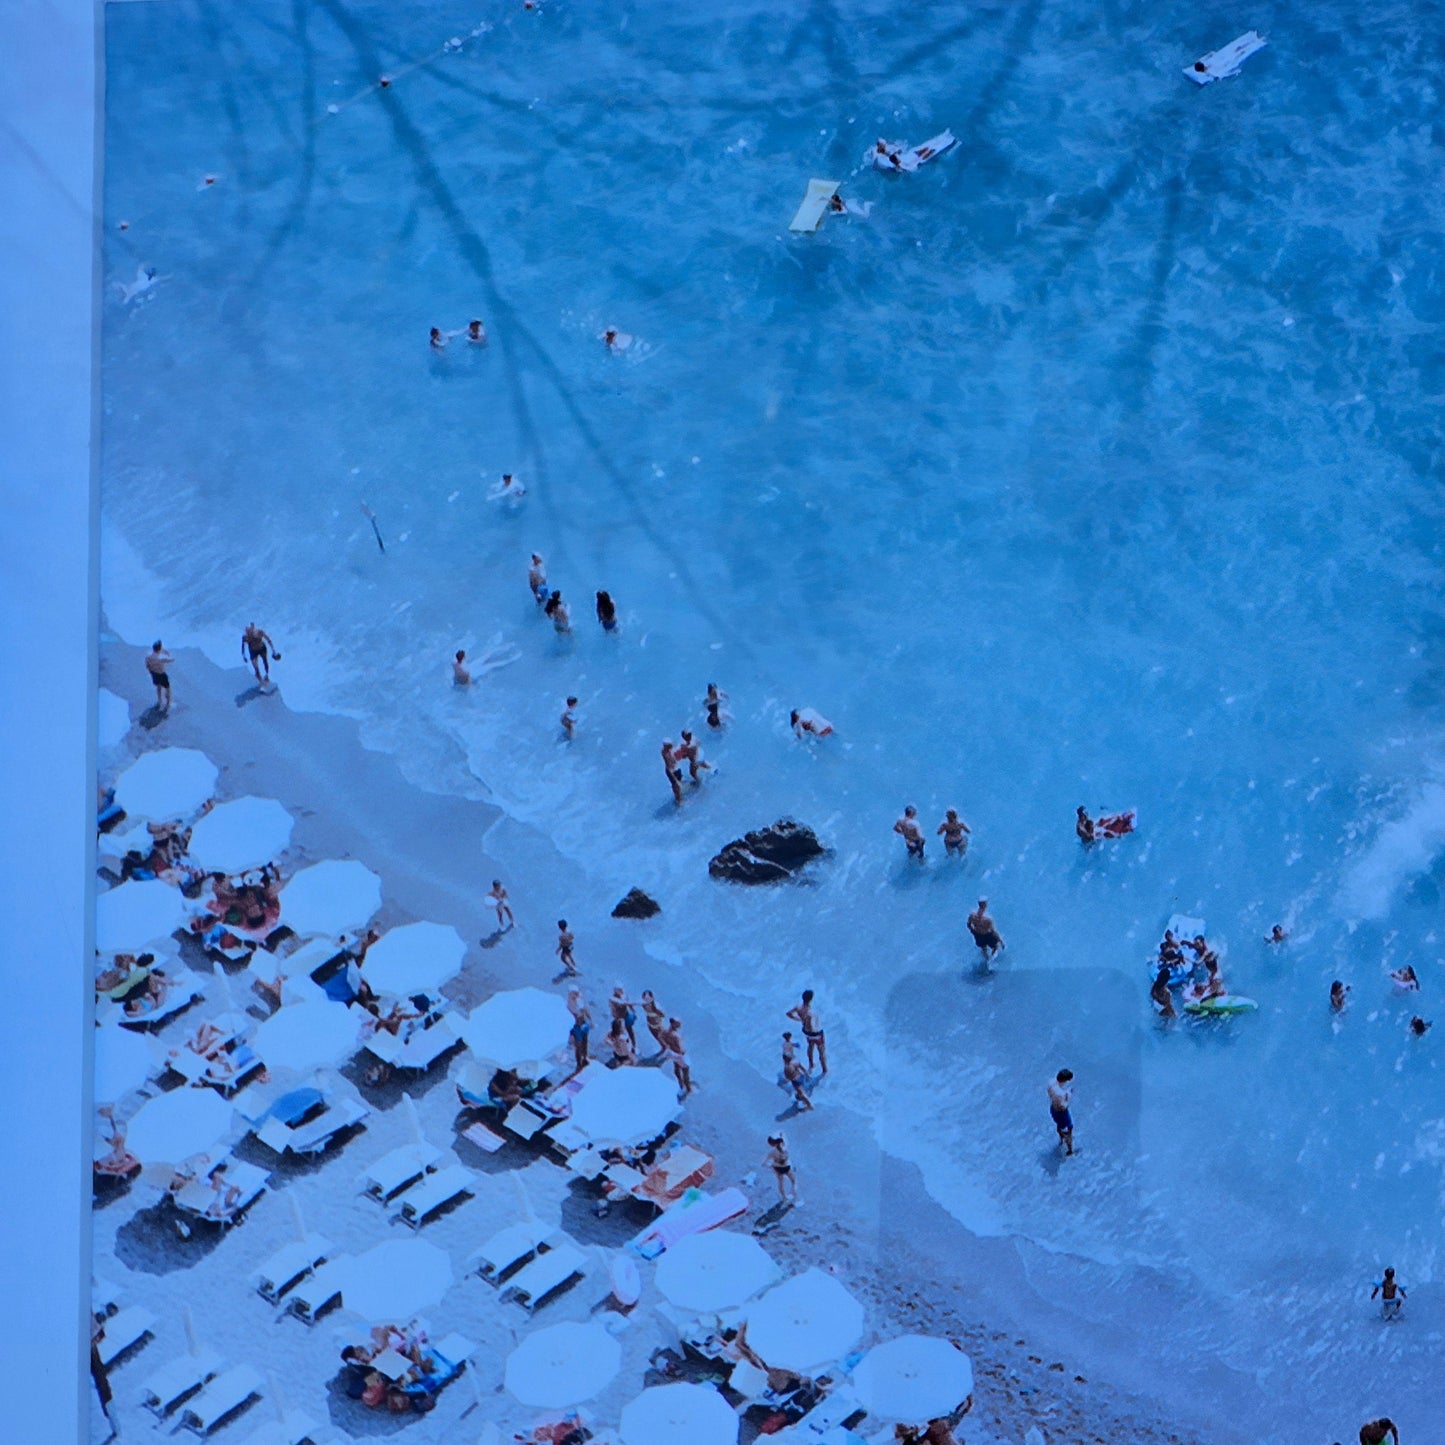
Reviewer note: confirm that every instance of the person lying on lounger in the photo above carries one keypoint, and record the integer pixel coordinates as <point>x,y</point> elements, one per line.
<point>225,1194</point>
<point>152,999</point>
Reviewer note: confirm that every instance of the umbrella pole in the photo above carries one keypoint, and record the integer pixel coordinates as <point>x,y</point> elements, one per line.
<point>417,1136</point>
<point>297,1215</point>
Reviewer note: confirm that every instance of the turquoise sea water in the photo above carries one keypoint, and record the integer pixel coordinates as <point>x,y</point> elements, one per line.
<point>1099,464</point>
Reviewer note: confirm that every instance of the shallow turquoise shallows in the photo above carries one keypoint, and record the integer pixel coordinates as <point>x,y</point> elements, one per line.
<point>1098,464</point>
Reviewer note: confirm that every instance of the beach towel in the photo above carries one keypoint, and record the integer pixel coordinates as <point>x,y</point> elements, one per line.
<point>1222,63</point>
<point>814,206</point>
<point>692,1214</point>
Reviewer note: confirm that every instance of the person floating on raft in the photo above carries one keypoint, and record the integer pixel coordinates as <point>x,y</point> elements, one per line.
<point>1106,825</point>
<point>896,156</point>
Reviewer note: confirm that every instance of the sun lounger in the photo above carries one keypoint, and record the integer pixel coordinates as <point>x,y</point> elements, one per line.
<point>692,1214</point>
<point>122,1331</point>
<point>183,988</point>
<point>684,1168</point>
<point>1222,63</point>
<point>221,1398</point>
<point>434,1190</point>
<point>814,205</point>
<point>545,1275</point>
<point>504,1251</point>
<point>289,1264</point>
<point>313,1292</point>
<point>173,1383</point>
<point>418,1050</point>
<point>199,1200</point>
<point>824,1422</point>
<point>295,1429</point>
<point>526,1119</point>
<point>395,1171</point>
<point>315,1134</point>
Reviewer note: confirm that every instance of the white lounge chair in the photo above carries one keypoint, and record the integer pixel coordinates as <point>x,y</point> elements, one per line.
<point>507,1249</point>
<point>288,1265</point>
<point>221,1398</point>
<point>313,1136</point>
<point>174,1382</point>
<point>183,988</point>
<point>200,1201</point>
<point>123,1330</point>
<point>393,1172</point>
<point>418,1050</point>
<point>545,1275</point>
<point>432,1192</point>
<point>524,1121</point>
<point>312,1293</point>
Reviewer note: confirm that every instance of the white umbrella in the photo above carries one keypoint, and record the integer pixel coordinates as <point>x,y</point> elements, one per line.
<point>809,1320</point>
<point>176,1125</point>
<point>522,1027</point>
<point>563,1365</point>
<point>915,1377</point>
<point>246,833</point>
<point>417,958</point>
<point>392,1281</point>
<point>123,1061</point>
<point>167,786</point>
<point>330,897</point>
<point>114,714</point>
<point>667,1414</point>
<point>138,913</point>
<point>714,1271</point>
<point>626,1106</point>
<point>305,1036</point>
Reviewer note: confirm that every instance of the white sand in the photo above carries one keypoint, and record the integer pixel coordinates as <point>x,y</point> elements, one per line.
<point>865,1215</point>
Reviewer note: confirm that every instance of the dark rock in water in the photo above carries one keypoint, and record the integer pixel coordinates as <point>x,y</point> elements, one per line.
<point>637,905</point>
<point>767,855</point>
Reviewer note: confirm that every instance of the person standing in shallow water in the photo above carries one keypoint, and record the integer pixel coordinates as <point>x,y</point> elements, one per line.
<point>674,773</point>
<point>1061,1094</point>
<point>813,1036</point>
<point>713,704</point>
<point>907,828</point>
<point>258,649</point>
<point>537,579</point>
<point>954,832</point>
<point>606,612</point>
<point>985,932</point>
<point>1391,1294</point>
<point>157,661</point>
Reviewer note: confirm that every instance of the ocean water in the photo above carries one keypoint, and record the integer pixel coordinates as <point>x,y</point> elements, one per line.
<point>1099,464</point>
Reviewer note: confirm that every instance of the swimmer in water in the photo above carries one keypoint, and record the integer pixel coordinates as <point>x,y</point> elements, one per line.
<point>807,720</point>
<point>907,828</point>
<point>1159,992</point>
<point>1419,1027</point>
<point>537,579</point>
<point>615,340</point>
<point>606,612</point>
<point>569,718</point>
<point>674,773</point>
<point>1339,996</point>
<point>1379,1432</point>
<point>460,675</point>
<point>1084,825</point>
<point>1391,1295</point>
<point>509,489</point>
<point>955,833</point>
<point>559,612</point>
<point>145,282</point>
<point>1405,979</point>
<point>438,339</point>
<point>476,333</point>
<point>712,703</point>
<point>985,933</point>
<point>1276,934</point>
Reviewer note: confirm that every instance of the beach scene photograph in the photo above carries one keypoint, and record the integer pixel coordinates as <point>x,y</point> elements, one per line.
<point>767,724</point>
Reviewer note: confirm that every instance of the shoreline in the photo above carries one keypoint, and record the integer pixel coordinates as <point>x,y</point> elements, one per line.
<point>865,1214</point>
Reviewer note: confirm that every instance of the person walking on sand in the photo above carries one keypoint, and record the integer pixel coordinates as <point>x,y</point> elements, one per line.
<point>537,579</point>
<point>781,1163</point>
<point>813,1036</point>
<point>955,833</point>
<point>581,1027</point>
<point>1061,1094</point>
<point>1377,1432</point>
<point>675,1053</point>
<point>985,932</point>
<point>1391,1295</point>
<point>258,649</point>
<point>674,773</point>
<point>907,828</point>
<point>565,941</point>
<point>623,1009</point>
<point>157,660</point>
<point>689,752</point>
<point>656,1017</point>
<point>797,1077</point>
<point>498,897</point>
<point>569,718</point>
<point>461,676</point>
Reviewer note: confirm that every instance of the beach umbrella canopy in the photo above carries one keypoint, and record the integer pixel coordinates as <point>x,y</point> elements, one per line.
<point>626,1106</point>
<point>518,1029</point>
<point>330,897</point>
<point>667,1414</point>
<point>123,1061</point>
<point>246,833</point>
<point>416,958</point>
<point>137,914</point>
<point>563,1365</point>
<point>807,1321</point>
<point>915,1377</point>
<point>306,1035</point>
<point>167,786</point>
<point>392,1281</point>
<point>114,715</point>
<point>714,1271</point>
<point>174,1126</point>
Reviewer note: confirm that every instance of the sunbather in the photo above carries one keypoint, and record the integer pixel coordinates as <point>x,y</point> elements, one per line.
<point>225,1194</point>
<point>151,999</point>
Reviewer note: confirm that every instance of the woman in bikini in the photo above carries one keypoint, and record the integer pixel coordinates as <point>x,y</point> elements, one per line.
<point>656,1019</point>
<point>581,1027</point>
<point>624,1012</point>
<point>674,1052</point>
<point>782,1166</point>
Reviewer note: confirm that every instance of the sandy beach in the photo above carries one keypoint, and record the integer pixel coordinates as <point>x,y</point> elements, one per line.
<point>864,1216</point>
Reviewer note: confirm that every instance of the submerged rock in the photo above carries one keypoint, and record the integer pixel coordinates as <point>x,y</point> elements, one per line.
<point>637,905</point>
<point>767,855</point>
